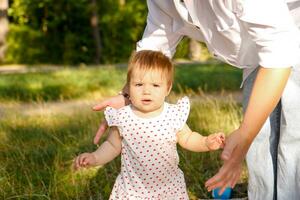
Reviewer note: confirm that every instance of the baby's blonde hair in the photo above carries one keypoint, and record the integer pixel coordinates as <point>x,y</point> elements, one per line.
<point>151,60</point>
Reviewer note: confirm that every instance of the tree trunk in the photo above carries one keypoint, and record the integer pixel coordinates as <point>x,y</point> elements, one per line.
<point>194,50</point>
<point>3,27</point>
<point>96,31</point>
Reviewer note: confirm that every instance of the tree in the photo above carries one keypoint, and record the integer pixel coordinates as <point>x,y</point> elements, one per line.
<point>3,27</point>
<point>96,32</point>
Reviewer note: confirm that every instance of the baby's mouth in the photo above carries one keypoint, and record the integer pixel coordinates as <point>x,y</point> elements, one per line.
<point>146,101</point>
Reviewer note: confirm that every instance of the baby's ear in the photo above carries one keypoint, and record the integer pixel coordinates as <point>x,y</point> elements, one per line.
<point>169,89</point>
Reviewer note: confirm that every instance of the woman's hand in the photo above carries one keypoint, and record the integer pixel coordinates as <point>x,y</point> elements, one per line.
<point>233,155</point>
<point>84,160</point>
<point>215,141</point>
<point>116,102</point>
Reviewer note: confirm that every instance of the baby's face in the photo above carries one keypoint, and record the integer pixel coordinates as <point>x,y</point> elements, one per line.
<point>148,90</point>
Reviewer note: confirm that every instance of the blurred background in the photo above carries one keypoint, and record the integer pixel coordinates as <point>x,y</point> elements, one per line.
<point>73,32</point>
<point>58,58</point>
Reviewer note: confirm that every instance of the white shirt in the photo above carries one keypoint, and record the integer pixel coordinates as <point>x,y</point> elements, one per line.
<point>243,33</point>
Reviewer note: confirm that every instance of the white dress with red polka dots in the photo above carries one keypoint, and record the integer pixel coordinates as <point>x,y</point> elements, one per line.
<point>149,158</point>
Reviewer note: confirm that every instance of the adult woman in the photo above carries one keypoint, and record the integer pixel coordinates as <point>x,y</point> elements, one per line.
<point>262,38</point>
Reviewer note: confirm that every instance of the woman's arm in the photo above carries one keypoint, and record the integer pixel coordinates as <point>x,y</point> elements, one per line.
<point>158,34</point>
<point>266,92</point>
<point>276,39</point>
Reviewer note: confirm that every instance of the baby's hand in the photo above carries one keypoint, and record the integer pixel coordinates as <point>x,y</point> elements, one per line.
<point>84,160</point>
<point>215,141</point>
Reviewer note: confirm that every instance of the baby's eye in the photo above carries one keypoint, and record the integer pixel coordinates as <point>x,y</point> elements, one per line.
<point>138,84</point>
<point>156,85</point>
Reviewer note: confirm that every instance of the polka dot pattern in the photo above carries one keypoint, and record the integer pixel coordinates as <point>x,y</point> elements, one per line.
<point>149,158</point>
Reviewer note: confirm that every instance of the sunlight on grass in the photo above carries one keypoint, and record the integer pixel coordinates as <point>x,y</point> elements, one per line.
<point>208,115</point>
<point>46,120</point>
<point>37,151</point>
<point>61,85</point>
<point>95,82</point>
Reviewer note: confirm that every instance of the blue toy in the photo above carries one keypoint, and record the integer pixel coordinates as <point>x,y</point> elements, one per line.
<point>226,194</point>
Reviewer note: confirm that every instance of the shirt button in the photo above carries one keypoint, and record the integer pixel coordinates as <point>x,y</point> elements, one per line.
<point>239,9</point>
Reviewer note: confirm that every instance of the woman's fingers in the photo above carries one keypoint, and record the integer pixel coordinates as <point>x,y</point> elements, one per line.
<point>235,179</point>
<point>227,176</point>
<point>102,128</point>
<point>233,155</point>
<point>216,181</point>
<point>101,105</point>
<point>115,102</point>
<point>228,149</point>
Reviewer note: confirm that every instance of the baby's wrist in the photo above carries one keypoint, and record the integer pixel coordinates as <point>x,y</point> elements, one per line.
<point>206,143</point>
<point>94,155</point>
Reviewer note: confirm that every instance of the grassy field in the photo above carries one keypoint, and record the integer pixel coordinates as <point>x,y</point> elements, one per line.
<point>91,82</point>
<point>37,148</point>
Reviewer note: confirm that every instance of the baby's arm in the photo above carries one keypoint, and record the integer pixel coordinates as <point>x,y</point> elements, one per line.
<point>108,150</point>
<point>193,141</point>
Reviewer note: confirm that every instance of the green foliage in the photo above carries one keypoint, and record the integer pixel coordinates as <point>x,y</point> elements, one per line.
<point>59,31</point>
<point>121,28</point>
<point>25,45</point>
<point>182,49</point>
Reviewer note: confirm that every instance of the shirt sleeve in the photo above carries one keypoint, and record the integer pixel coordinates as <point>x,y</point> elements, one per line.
<point>111,116</point>
<point>158,34</point>
<point>272,29</point>
<point>182,110</point>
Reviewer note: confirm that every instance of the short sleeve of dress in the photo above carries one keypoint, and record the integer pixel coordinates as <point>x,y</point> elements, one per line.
<point>111,116</point>
<point>182,110</point>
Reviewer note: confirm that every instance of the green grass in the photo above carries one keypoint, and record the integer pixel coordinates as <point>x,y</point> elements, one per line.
<point>37,148</point>
<point>69,83</point>
<point>82,83</point>
<point>207,77</point>
<point>36,153</point>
